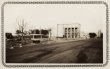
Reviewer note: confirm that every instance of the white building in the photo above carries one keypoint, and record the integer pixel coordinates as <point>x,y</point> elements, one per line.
<point>72,30</point>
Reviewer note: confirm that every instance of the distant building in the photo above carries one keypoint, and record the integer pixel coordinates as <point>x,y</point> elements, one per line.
<point>40,35</point>
<point>99,33</point>
<point>72,30</point>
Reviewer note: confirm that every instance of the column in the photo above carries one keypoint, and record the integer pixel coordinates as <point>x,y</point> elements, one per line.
<point>74,32</point>
<point>78,32</point>
<point>67,33</point>
<point>71,32</point>
<point>33,36</point>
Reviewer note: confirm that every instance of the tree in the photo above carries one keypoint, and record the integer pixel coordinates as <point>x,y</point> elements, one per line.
<point>21,29</point>
<point>92,35</point>
<point>101,35</point>
<point>9,35</point>
<point>35,31</point>
<point>18,32</point>
<point>45,32</point>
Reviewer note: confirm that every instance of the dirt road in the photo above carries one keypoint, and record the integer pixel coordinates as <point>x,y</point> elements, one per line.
<point>83,51</point>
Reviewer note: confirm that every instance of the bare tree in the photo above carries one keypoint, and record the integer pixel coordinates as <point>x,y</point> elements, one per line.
<point>21,27</point>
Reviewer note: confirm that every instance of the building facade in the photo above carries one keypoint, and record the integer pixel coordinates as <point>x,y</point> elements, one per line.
<point>72,30</point>
<point>40,34</point>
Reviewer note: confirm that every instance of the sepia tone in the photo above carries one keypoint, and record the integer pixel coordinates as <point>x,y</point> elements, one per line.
<point>58,43</point>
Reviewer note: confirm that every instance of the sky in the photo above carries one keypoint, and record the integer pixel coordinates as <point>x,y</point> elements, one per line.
<point>91,17</point>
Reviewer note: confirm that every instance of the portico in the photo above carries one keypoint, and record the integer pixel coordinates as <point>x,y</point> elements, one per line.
<point>72,30</point>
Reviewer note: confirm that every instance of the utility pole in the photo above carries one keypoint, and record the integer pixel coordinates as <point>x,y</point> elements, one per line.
<point>57,31</point>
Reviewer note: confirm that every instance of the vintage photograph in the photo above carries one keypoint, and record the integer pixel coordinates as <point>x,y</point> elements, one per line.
<point>54,33</point>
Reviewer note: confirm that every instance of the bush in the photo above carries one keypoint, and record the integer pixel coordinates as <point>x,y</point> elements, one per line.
<point>9,36</point>
<point>92,35</point>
